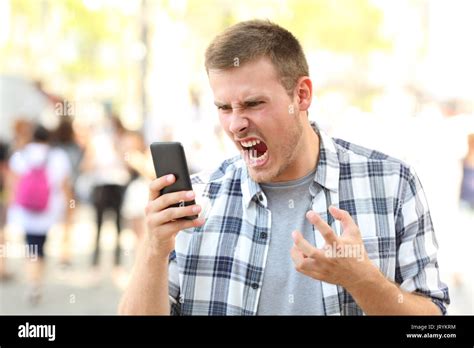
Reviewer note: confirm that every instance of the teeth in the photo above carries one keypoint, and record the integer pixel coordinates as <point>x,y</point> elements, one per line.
<point>250,143</point>
<point>253,160</point>
<point>253,154</point>
<point>250,157</point>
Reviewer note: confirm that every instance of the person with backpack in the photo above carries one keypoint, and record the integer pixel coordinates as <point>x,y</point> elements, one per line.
<point>41,179</point>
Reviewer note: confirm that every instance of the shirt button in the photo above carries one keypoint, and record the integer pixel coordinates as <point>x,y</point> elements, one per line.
<point>263,235</point>
<point>254,286</point>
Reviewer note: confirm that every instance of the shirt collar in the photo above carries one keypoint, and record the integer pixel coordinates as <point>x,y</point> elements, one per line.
<point>249,187</point>
<point>327,170</point>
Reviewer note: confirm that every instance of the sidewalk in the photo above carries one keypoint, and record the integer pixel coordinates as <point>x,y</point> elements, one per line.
<point>78,289</point>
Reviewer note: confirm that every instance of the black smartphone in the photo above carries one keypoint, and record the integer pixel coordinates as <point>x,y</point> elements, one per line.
<point>169,158</point>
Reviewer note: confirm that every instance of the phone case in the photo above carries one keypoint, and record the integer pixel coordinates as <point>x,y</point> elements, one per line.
<point>169,158</point>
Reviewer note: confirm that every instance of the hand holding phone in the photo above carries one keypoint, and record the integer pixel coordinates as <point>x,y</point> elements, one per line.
<point>165,221</point>
<point>171,207</point>
<point>169,158</point>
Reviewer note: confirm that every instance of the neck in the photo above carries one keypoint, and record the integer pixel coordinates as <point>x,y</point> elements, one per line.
<point>309,150</point>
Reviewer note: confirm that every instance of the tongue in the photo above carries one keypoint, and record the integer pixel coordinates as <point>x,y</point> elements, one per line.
<point>261,148</point>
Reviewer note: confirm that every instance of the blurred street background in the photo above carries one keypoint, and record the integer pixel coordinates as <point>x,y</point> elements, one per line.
<point>105,78</point>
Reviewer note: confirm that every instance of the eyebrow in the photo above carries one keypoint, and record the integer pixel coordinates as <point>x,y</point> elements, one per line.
<point>218,104</point>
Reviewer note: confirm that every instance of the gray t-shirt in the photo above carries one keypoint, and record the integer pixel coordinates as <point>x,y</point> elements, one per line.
<point>285,291</point>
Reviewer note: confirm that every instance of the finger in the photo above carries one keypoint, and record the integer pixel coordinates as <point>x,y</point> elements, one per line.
<point>304,246</point>
<point>305,265</point>
<point>348,224</point>
<point>168,199</point>
<point>296,255</point>
<point>159,184</point>
<point>172,228</point>
<point>326,231</point>
<point>170,214</point>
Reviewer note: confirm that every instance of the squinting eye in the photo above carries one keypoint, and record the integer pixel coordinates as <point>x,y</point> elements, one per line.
<point>254,103</point>
<point>224,108</point>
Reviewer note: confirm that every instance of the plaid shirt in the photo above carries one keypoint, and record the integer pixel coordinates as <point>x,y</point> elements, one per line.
<point>217,269</point>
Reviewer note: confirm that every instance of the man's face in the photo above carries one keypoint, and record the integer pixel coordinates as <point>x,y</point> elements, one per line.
<point>259,117</point>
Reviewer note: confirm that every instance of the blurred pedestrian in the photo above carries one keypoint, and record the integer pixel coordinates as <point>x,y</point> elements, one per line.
<point>4,275</point>
<point>106,165</point>
<point>22,132</point>
<point>137,160</point>
<point>466,215</point>
<point>135,155</point>
<point>41,177</point>
<point>467,206</point>
<point>467,185</point>
<point>64,138</point>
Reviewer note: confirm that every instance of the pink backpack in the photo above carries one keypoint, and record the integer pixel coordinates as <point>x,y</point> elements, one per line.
<point>33,189</point>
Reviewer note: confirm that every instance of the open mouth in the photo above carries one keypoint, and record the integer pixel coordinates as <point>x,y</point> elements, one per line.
<point>254,152</point>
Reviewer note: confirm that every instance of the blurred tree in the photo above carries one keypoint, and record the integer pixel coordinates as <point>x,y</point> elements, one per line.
<point>74,41</point>
<point>89,31</point>
<point>343,26</point>
<point>99,42</point>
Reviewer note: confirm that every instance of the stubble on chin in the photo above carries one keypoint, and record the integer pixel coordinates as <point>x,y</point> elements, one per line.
<point>288,151</point>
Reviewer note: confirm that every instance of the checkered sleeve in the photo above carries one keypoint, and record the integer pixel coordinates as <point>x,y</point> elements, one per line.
<point>173,285</point>
<point>417,266</point>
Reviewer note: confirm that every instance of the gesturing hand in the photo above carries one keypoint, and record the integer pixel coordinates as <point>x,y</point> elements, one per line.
<point>342,261</point>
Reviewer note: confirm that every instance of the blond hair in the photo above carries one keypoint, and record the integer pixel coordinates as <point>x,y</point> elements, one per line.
<point>254,39</point>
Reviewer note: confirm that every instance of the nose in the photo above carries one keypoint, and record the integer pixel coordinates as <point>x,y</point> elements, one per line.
<point>239,124</point>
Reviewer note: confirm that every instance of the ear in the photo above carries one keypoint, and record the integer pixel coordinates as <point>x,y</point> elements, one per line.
<point>304,93</point>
